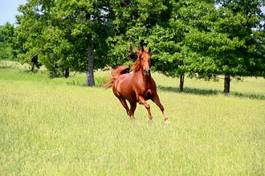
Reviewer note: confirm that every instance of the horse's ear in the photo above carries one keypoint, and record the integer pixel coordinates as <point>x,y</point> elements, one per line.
<point>149,50</point>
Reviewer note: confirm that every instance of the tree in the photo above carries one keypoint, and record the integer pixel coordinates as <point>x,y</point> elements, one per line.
<point>229,46</point>
<point>33,19</point>
<point>171,54</point>
<point>193,38</point>
<point>6,41</point>
<point>167,50</point>
<point>163,25</point>
<point>66,35</point>
<point>249,19</point>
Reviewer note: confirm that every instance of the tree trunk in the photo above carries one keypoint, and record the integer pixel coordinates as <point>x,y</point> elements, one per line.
<point>32,67</point>
<point>90,68</point>
<point>181,82</point>
<point>227,85</point>
<point>66,72</point>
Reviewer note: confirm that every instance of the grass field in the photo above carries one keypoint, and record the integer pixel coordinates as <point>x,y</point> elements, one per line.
<point>59,127</point>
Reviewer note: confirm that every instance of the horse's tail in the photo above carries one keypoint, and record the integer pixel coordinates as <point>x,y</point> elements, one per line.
<point>115,73</point>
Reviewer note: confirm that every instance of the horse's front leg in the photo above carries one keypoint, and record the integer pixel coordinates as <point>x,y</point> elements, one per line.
<point>147,106</point>
<point>156,100</point>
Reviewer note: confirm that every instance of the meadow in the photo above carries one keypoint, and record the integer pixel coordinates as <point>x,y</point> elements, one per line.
<point>61,127</point>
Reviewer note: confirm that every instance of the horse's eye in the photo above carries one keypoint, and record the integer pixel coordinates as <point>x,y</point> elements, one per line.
<point>149,62</point>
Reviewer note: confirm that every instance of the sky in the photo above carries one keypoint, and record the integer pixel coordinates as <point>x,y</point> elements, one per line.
<point>8,10</point>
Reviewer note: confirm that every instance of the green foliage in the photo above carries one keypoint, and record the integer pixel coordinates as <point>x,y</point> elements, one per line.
<point>224,43</point>
<point>6,42</point>
<point>198,38</point>
<point>134,23</point>
<point>166,49</point>
<point>6,52</point>
<point>56,51</point>
<point>60,33</point>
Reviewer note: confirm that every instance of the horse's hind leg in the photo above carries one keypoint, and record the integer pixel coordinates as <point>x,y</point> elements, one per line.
<point>124,104</point>
<point>133,105</point>
<point>156,100</point>
<point>147,106</point>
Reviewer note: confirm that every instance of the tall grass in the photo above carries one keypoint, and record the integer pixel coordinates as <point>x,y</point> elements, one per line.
<point>54,127</point>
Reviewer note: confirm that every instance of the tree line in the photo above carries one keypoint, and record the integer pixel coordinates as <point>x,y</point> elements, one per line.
<point>202,39</point>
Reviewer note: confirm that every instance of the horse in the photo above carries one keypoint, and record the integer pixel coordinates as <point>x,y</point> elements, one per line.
<point>137,86</point>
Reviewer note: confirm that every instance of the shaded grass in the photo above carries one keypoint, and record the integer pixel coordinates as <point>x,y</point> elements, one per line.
<point>50,127</point>
<point>199,91</point>
<point>76,79</point>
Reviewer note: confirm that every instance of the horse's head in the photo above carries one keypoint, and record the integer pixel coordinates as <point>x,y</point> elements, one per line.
<point>144,59</point>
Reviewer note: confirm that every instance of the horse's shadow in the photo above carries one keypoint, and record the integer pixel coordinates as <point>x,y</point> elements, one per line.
<point>210,92</point>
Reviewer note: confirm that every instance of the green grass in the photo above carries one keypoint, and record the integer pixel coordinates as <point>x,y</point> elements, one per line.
<point>57,127</point>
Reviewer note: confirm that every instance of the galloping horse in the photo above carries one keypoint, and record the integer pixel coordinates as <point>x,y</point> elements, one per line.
<point>136,86</point>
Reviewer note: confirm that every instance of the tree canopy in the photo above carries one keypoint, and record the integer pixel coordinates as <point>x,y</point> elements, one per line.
<point>196,38</point>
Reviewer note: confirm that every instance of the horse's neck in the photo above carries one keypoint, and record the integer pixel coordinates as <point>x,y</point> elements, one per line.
<point>146,79</point>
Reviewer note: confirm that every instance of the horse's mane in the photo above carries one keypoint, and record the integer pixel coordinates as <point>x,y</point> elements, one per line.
<point>137,64</point>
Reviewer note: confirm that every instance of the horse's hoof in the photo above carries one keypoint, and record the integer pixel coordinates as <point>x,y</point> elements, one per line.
<point>166,121</point>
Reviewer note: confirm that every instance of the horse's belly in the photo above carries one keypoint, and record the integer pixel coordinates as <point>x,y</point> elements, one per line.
<point>127,93</point>
<point>148,94</point>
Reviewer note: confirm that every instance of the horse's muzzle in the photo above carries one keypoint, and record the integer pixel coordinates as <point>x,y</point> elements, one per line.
<point>147,72</point>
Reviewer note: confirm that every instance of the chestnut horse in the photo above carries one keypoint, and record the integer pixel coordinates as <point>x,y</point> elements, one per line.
<point>136,86</point>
